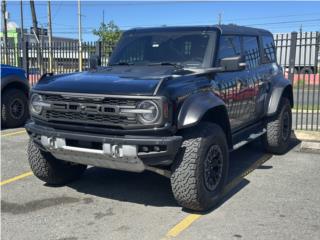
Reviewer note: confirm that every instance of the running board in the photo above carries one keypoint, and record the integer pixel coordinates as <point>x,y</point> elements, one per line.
<point>251,137</point>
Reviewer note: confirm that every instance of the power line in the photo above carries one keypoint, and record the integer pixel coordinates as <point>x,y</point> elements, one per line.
<point>272,17</point>
<point>57,10</point>
<point>297,21</point>
<point>121,3</point>
<point>258,24</point>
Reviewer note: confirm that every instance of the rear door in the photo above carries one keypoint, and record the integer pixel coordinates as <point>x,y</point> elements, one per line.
<point>252,95</point>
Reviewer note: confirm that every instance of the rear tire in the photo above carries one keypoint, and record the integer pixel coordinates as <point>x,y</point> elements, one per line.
<point>277,138</point>
<point>51,170</point>
<point>201,168</point>
<point>14,108</point>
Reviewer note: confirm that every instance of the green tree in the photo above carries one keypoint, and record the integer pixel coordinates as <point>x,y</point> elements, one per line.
<point>109,34</point>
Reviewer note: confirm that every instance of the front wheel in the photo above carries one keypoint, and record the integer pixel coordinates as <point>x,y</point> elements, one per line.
<point>200,171</point>
<point>277,138</point>
<point>51,170</point>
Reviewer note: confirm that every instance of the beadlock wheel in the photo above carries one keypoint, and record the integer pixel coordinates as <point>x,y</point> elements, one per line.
<point>277,138</point>
<point>200,170</point>
<point>213,167</point>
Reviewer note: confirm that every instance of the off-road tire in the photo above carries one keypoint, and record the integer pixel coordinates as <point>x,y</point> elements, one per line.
<point>51,170</point>
<point>187,179</point>
<point>274,140</point>
<point>8,119</point>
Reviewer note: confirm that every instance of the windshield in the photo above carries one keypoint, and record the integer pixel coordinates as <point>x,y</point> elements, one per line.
<point>185,49</point>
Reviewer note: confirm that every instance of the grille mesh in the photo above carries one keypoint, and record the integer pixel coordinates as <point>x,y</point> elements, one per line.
<point>111,101</point>
<point>89,118</point>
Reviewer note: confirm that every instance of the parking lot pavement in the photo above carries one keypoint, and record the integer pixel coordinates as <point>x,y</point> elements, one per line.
<point>268,197</point>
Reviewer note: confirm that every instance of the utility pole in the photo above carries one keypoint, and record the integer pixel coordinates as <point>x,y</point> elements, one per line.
<point>103,16</point>
<point>80,35</point>
<point>50,36</point>
<point>37,35</point>
<point>34,19</point>
<point>220,19</point>
<point>21,22</point>
<point>5,31</point>
<point>22,43</point>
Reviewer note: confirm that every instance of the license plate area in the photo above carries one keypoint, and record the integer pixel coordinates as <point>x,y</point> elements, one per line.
<point>84,144</point>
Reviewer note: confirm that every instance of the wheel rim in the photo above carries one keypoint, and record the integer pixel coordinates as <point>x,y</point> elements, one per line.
<point>286,126</point>
<point>16,108</point>
<point>213,167</point>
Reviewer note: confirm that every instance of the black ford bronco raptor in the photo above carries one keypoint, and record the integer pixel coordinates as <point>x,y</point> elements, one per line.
<point>172,100</point>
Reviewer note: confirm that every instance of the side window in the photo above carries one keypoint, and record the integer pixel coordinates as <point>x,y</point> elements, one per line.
<point>268,49</point>
<point>251,52</point>
<point>229,46</point>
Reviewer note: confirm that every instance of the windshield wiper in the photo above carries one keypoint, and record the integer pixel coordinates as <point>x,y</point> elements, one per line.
<point>121,64</point>
<point>176,65</point>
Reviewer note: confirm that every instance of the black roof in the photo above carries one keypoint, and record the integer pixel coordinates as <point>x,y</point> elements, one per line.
<point>235,29</point>
<point>224,29</point>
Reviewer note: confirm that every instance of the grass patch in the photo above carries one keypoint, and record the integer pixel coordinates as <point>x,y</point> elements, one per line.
<point>310,107</point>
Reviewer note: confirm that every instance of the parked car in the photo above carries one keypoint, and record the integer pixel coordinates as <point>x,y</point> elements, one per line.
<point>14,96</point>
<point>173,100</point>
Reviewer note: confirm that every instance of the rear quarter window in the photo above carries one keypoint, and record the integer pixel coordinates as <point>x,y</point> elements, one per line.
<point>251,51</point>
<point>269,54</point>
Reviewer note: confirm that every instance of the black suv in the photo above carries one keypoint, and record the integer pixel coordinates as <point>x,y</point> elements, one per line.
<point>172,100</point>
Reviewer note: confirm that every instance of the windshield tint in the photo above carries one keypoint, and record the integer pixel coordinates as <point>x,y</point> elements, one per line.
<point>188,49</point>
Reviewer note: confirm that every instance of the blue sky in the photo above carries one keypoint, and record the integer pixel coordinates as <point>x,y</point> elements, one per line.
<point>275,16</point>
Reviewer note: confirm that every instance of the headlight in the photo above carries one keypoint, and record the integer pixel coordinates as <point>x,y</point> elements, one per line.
<point>151,112</point>
<point>36,103</point>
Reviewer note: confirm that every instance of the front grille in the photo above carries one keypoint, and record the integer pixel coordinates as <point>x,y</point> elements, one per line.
<point>89,110</point>
<point>88,118</point>
<point>111,101</point>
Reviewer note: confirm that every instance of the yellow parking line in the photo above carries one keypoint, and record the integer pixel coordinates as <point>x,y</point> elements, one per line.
<point>188,220</point>
<point>185,223</point>
<point>16,178</point>
<point>13,133</point>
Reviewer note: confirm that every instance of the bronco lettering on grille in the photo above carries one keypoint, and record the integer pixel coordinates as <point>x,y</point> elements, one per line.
<point>86,108</point>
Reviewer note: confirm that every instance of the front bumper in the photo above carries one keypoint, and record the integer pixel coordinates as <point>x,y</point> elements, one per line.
<point>105,152</point>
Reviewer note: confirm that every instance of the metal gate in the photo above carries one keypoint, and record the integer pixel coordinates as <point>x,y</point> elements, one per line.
<point>299,56</point>
<point>297,53</point>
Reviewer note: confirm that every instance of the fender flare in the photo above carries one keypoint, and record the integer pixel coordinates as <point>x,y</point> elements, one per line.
<point>283,87</point>
<point>14,80</point>
<point>195,107</point>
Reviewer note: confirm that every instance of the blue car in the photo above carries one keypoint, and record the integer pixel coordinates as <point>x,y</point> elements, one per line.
<point>14,96</point>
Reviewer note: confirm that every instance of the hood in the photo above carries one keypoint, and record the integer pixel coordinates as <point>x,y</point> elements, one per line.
<point>121,80</point>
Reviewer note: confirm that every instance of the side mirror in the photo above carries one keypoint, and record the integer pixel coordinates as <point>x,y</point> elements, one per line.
<point>94,62</point>
<point>236,63</point>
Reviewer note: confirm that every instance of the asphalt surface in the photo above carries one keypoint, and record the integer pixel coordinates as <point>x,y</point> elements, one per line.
<point>268,197</point>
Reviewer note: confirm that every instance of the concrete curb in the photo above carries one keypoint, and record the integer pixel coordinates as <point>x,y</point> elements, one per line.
<point>310,147</point>
<point>310,141</point>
